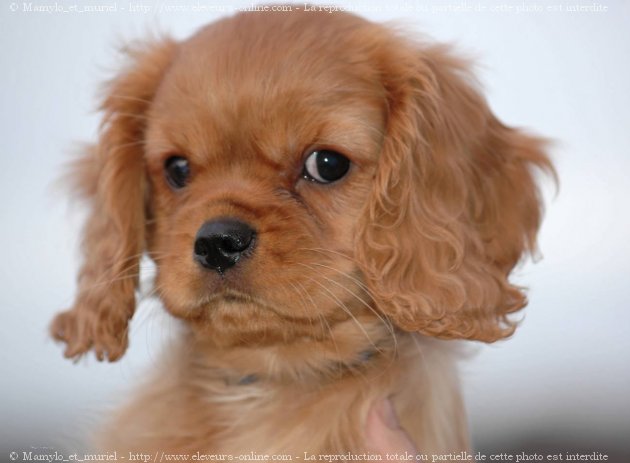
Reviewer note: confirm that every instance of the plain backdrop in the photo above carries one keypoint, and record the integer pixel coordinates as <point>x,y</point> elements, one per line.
<point>561,383</point>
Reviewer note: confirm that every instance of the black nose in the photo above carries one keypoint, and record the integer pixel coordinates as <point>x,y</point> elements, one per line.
<point>220,243</point>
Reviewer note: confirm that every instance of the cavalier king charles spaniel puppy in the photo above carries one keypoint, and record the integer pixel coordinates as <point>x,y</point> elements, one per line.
<point>328,204</point>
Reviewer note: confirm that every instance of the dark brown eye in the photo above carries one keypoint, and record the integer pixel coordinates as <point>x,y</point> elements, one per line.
<point>325,166</point>
<point>177,171</point>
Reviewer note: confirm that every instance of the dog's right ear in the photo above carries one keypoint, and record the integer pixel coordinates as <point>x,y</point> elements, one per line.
<point>111,176</point>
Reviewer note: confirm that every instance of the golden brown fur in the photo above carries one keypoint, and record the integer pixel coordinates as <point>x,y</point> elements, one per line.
<point>350,282</point>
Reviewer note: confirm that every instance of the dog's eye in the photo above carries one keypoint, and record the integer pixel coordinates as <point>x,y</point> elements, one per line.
<point>177,171</point>
<point>325,166</point>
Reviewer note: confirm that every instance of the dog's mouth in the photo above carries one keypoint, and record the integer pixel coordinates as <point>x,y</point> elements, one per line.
<point>228,296</point>
<point>233,297</point>
<point>235,302</point>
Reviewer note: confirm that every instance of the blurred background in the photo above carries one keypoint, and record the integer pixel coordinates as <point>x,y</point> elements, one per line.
<point>560,68</point>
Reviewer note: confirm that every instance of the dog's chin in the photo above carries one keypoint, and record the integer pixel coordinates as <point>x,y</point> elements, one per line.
<point>232,318</point>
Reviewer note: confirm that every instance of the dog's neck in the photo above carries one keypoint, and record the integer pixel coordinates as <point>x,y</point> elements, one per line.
<point>351,349</point>
<point>333,371</point>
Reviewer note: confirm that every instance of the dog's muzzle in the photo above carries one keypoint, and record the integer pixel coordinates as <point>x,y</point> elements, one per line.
<point>221,243</point>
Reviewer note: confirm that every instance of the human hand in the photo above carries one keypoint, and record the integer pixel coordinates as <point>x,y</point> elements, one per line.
<point>383,433</point>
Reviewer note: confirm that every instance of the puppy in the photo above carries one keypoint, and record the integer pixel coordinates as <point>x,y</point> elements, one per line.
<point>326,201</point>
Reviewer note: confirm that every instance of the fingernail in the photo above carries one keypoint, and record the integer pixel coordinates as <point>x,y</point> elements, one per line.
<point>388,415</point>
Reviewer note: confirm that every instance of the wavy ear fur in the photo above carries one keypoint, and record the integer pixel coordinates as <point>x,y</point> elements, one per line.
<point>111,176</point>
<point>455,203</point>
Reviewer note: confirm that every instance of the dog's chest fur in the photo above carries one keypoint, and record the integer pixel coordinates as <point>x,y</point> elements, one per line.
<point>199,405</point>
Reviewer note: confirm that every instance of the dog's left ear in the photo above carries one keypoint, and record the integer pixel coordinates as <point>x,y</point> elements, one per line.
<point>111,176</point>
<point>454,205</point>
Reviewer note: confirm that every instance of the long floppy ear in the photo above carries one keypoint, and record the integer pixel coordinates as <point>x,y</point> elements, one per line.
<point>111,177</point>
<point>455,204</point>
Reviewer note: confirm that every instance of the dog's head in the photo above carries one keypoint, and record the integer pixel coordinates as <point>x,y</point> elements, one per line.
<point>290,171</point>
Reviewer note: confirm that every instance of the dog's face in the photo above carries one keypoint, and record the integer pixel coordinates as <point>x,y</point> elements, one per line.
<point>259,166</point>
<point>290,171</point>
